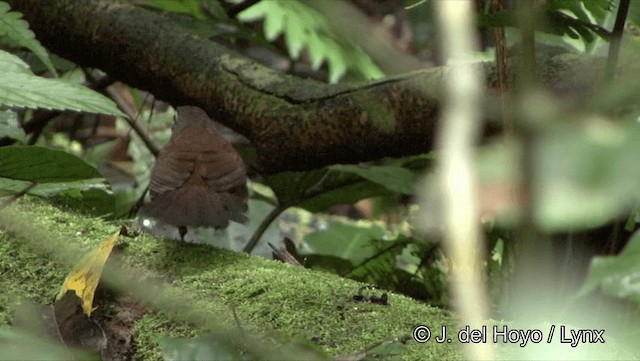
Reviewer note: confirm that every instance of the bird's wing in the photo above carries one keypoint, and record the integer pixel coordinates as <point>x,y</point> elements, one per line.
<point>224,172</point>
<point>222,168</point>
<point>198,180</point>
<point>172,169</point>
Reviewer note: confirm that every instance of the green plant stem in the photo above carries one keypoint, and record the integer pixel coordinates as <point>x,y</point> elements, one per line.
<point>616,39</point>
<point>255,238</point>
<point>502,65</point>
<point>459,131</point>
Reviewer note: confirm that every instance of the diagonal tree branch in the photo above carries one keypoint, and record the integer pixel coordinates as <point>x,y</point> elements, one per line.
<point>295,123</point>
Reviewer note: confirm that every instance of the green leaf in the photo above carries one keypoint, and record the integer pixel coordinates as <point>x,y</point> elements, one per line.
<point>292,187</point>
<point>346,241</point>
<point>10,63</point>
<point>295,36</point>
<point>303,27</point>
<point>10,128</point>
<point>50,188</point>
<point>30,91</point>
<point>16,29</point>
<point>55,172</point>
<point>317,51</point>
<point>43,165</point>
<point>97,200</point>
<point>320,189</point>
<point>562,18</point>
<point>256,12</point>
<point>337,61</point>
<point>275,22</point>
<point>358,59</point>
<point>345,193</point>
<point>587,175</point>
<point>617,276</point>
<point>394,178</point>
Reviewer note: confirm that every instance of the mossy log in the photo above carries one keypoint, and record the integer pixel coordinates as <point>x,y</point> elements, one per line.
<point>40,243</point>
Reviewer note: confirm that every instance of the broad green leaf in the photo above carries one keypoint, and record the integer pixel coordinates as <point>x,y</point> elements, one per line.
<point>346,193</point>
<point>558,20</point>
<point>29,91</point>
<point>57,174</point>
<point>98,200</point>
<point>617,276</point>
<point>293,187</point>
<point>346,241</point>
<point>43,165</point>
<point>51,188</point>
<point>320,189</point>
<point>16,29</point>
<point>587,176</point>
<point>597,8</point>
<point>394,178</point>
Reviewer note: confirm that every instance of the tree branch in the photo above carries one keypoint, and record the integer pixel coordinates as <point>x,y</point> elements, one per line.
<point>294,123</point>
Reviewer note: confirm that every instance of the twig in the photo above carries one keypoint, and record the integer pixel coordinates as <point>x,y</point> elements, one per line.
<point>37,124</point>
<point>132,121</point>
<point>15,197</point>
<point>616,39</point>
<point>248,248</point>
<point>376,255</point>
<point>284,255</point>
<point>131,113</point>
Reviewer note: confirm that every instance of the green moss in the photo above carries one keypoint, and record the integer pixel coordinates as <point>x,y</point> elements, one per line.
<point>267,296</point>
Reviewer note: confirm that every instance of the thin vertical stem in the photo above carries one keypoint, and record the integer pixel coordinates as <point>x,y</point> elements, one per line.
<point>460,130</point>
<point>503,70</point>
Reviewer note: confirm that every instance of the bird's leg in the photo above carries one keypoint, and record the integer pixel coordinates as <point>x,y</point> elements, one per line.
<point>182,230</point>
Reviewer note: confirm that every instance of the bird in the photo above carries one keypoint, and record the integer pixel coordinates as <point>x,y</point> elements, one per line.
<point>198,179</point>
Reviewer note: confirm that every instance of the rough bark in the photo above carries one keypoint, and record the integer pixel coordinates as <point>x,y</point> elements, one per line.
<point>294,123</point>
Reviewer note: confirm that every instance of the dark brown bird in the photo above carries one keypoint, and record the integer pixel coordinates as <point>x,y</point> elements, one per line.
<point>198,179</point>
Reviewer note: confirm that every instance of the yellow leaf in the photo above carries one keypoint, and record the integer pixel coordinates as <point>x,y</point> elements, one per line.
<point>84,278</point>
